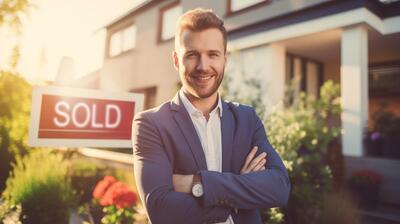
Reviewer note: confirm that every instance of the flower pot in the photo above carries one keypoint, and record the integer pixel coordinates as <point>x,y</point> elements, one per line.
<point>365,186</point>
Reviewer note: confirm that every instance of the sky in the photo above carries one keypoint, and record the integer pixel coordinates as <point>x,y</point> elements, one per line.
<point>54,29</point>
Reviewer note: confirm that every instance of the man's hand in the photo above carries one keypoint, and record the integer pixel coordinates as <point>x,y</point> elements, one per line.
<point>254,164</point>
<point>182,183</point>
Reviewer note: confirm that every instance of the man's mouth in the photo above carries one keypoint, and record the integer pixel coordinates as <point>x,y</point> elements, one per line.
<point>204,77</point>
<point>203,80</point>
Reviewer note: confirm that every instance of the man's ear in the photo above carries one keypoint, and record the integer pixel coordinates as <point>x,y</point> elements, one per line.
<point>175,60</point>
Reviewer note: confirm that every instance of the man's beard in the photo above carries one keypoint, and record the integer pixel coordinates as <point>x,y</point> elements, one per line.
<point>214,88</point>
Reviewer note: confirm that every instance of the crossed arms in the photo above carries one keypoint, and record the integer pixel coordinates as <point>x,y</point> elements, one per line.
<point>184,183</point>
<point>267,187</point>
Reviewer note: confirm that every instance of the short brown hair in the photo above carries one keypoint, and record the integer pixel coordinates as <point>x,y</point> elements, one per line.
<point>198,20</point>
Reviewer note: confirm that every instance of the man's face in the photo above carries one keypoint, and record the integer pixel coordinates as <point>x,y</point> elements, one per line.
<point>200,60</point>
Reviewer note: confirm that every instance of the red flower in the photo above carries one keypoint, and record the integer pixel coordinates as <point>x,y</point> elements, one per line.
<point>102,186</point>
<point>119,195</point>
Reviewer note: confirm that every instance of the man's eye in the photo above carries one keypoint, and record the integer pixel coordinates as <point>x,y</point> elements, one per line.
<point>213,55</point>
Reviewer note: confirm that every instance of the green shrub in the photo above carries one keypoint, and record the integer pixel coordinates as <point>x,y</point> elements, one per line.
<point>15,105</point>
<point>84,176</point>
<point>303,133</point>
<point>39,183</point>
<point>386,123</point>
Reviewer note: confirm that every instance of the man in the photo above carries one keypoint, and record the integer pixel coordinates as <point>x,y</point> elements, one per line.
<point>198,159</point>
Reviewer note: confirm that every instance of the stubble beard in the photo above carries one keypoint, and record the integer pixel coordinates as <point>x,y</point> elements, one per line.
<point>192,89</point>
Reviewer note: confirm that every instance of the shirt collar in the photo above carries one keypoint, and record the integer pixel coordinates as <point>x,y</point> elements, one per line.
<point>193,110</point>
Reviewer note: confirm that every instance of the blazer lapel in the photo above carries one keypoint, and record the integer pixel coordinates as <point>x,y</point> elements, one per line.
<point>227,132</point>
<point>188,130</point>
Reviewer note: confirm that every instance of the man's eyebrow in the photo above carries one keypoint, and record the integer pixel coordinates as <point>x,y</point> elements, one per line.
<point>214,51</point>
<point>190,51</point>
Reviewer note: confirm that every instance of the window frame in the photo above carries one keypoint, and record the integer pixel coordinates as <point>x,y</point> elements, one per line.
<point>290,58</point>
<point>231,12</point>
<point>380,68</point>
<point>121,30</point>
<point>161,18</point>
<point>150,94</point>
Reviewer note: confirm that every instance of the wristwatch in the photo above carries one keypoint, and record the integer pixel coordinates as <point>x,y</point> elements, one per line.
<point>197,187</point>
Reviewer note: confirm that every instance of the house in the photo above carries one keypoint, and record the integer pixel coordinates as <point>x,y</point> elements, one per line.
<point>355,43</point>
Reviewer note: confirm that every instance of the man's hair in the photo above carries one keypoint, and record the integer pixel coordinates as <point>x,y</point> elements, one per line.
<point>198,20</point>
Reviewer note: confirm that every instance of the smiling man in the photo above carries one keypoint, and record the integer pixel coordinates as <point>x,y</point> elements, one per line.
<point>197,158</point>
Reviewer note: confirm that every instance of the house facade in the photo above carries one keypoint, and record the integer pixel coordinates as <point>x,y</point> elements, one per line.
<point>355,43</point>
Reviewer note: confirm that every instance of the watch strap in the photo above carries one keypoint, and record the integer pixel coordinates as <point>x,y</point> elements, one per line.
<point>196,178</point>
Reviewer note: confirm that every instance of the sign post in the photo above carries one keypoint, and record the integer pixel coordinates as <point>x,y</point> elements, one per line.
<point>71,117</point>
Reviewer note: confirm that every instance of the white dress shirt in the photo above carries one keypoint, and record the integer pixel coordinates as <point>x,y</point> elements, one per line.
<point>209,133</point>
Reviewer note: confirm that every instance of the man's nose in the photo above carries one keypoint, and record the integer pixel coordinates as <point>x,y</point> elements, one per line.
<point>203,63</point>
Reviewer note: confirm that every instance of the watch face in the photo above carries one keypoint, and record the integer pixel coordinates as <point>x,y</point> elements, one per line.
<point>197,190</point>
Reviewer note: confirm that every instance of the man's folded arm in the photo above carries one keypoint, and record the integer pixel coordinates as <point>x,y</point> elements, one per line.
<point>153,175</point>
<point>262,189</point>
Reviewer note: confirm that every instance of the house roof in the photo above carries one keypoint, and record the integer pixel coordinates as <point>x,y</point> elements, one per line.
<point>382,10</point>
<point>134,10</point>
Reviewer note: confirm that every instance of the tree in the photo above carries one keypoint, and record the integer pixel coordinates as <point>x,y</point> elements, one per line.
<point>15,103</point>
<point>11,12</point>
<point>14,94</point>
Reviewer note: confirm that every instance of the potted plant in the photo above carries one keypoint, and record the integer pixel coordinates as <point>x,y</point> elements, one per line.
<point>365,186</point>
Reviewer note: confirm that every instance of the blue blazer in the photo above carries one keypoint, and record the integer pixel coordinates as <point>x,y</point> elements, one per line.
<point>165,142</point>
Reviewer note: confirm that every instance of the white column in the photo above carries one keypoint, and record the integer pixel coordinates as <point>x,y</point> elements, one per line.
<point>354,88</point>
<point>275,64</point>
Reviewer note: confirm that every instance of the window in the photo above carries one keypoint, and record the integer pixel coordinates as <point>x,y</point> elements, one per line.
<point>128,38</point>
<point>115,46</point>
<point>238,5</point>
<point>384,79</point>
<point>149,96</point>
<point>168,17</point>
<point>122,41</point>
<point>307,74</point>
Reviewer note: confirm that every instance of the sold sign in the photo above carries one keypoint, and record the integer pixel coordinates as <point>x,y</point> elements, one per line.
<point>79,117</point>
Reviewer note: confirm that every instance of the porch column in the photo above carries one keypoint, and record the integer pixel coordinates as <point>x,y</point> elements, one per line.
<point>275,62</point>
<point>354,88</point>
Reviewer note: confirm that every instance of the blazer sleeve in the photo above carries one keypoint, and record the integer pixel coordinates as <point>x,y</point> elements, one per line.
<point>153,175</point>
<point>263,189</point>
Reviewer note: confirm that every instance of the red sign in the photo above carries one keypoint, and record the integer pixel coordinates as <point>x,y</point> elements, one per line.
<point>85,118</point>
<point>76,117</point>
